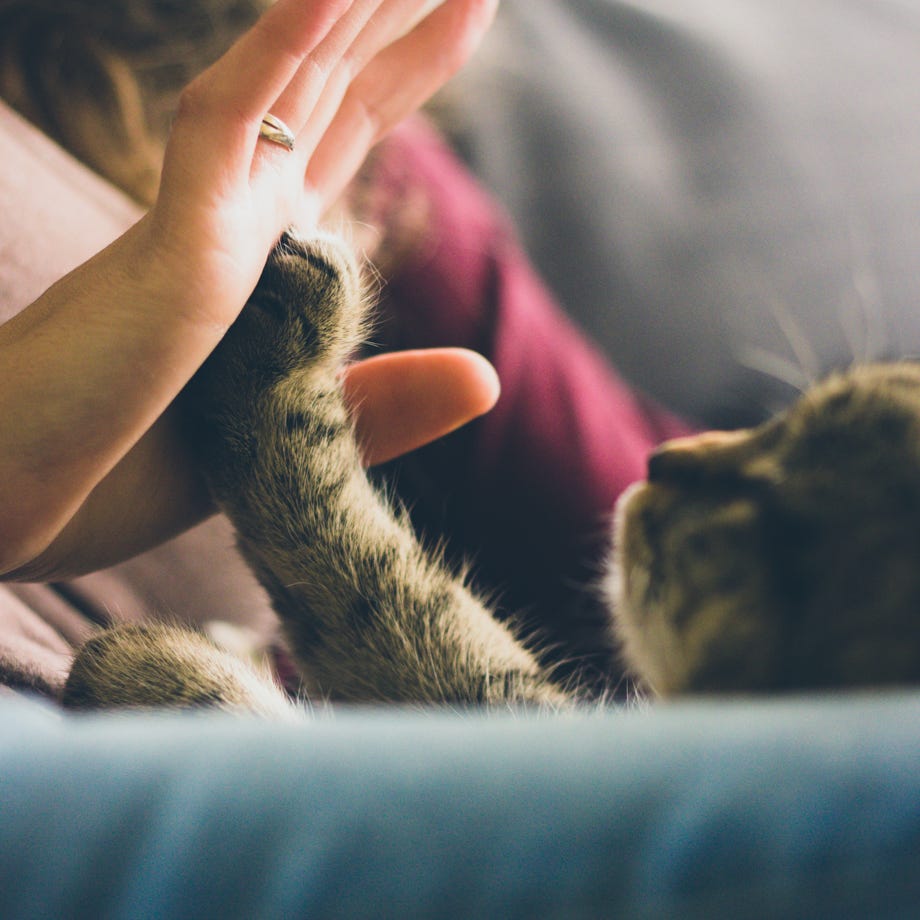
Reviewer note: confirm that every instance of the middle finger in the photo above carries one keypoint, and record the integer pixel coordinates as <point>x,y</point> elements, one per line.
<point>308,104</point>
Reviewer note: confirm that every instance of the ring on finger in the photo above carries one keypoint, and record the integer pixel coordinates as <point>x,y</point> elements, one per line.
<point>273,129</point>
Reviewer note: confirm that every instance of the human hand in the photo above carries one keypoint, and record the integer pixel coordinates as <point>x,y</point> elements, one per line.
<point>340,74</point>
<point>91,468</point>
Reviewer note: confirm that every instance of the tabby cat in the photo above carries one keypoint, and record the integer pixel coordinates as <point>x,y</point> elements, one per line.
<point>780,558</point>
<point>783,557</point>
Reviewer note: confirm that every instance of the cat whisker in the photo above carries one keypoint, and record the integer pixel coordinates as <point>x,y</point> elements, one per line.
<point>776,366</point>
<point>861,316</point>
<point>805,355</point>
<point>800,371</point>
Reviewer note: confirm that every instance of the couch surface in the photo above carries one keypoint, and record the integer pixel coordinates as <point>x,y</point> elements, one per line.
<point>791,808</point>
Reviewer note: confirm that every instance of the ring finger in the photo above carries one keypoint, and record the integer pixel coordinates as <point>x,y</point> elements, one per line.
<point>311,99</point>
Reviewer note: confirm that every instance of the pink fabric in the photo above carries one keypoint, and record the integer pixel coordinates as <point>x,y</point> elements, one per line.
<point>56,213</point>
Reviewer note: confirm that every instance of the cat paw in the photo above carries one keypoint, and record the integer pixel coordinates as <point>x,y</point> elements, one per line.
<point>306,313</point>
<point>311,293</point>
<point>301,324</point>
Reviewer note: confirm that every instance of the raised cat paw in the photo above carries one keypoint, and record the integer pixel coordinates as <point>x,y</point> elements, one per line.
<point>311,290</point>
<point>307,309</point>
<point>305,315</point>
<point>279,362</point>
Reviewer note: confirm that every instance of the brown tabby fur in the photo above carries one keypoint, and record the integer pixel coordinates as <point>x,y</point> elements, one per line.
<point>784,557</point>
<point>368,614</point>
<point>780,558</point>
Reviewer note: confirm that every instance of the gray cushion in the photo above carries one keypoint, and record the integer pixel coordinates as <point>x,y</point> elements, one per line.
<point>723,192</point>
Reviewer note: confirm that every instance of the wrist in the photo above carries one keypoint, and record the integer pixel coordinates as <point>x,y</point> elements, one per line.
<point>86,371</point>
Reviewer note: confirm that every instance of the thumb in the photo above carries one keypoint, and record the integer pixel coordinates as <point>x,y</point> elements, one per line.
<point>404,400</point>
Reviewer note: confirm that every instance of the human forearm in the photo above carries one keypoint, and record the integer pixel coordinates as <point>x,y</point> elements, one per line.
<point>86,371</point>
<point>93,363</point>
<point>400,401</point>
<point>151,495</point>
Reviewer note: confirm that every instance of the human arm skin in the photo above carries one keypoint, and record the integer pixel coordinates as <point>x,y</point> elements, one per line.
<point>400,401</point>
<point>92,468</point>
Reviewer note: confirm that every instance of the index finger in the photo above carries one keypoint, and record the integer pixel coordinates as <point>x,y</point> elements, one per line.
<point>392,85</point>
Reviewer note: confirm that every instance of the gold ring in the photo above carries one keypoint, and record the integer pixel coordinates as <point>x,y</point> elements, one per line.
<point>275,130</point>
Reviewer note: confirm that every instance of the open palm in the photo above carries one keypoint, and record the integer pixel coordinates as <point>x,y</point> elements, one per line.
<point>90,371</point>
<point>339,73</point>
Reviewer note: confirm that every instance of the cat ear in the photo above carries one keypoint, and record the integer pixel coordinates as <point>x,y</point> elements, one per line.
<point>695,455</point>
<point>714,455</point>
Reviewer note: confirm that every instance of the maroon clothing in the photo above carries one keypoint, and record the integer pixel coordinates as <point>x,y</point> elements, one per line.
<point>525,493</point>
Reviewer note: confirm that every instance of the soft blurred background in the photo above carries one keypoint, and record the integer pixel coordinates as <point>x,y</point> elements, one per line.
<point>725,193</point>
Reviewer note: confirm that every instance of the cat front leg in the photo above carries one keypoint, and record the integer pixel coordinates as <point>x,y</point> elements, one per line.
<point>369,613</point>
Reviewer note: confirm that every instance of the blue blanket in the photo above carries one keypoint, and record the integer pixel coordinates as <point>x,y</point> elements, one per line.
<point>792,808</point>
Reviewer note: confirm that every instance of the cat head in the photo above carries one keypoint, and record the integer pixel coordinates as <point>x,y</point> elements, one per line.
<point>781,557</point>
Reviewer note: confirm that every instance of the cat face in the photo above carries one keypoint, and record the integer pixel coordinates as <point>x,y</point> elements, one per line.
<point>781,557</point>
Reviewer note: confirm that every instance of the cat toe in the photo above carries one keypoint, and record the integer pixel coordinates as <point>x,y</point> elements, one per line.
<point>317,283</point>
<point>327,260</point>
